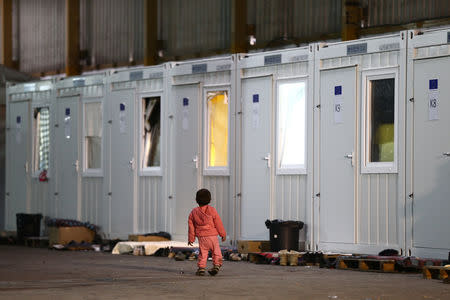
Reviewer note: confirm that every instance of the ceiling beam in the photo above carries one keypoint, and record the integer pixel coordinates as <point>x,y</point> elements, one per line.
<point>73,37</point>
<point>6,34</point>
<point>351,19</point>
<point>150,32</point>
<point>239,43</point>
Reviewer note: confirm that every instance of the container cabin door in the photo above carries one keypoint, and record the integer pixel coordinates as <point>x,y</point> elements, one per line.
<point>17,188</point>
<point>68,161</point>
<point>187,155</point>
<point>123,163</point>
<point>257,156</point>
<point>337,158</point>
<point>431,158</point>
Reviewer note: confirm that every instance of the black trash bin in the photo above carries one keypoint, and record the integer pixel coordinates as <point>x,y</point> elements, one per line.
<point>28,225</point>
<point>284,234</point>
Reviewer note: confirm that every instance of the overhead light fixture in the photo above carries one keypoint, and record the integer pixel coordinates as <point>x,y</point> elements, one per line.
<point>252,40</point>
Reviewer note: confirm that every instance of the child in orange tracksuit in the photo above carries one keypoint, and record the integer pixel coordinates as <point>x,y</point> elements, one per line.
<point>206,225</point>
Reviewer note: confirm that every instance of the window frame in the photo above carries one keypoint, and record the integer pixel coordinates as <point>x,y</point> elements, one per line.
<point>300,169</point>
<point>207,170</point>
<point>36,172</point>
<point>157,170</point>
<point>368,167</point>
<point>89,172</point>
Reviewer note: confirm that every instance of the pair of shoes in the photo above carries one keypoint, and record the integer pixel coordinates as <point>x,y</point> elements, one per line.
<point>200,272</point>
<point>214,270</point>
<point>180,256</point>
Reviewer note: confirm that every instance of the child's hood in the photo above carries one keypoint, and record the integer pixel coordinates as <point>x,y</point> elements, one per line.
<point>201,216</point>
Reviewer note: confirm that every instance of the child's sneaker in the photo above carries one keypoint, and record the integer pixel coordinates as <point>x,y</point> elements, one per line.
<point>214,270</point>
<point>200,272</point>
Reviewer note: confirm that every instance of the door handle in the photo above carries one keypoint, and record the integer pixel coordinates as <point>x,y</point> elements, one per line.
<point>131,163</point>
<point>350,156</point>
<point>75,164</point>
<point>446,154</point>
<point>267,158</point>
<point>195,161</point>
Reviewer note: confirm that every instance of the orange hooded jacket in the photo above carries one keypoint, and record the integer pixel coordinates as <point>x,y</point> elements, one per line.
<point>205,221</point>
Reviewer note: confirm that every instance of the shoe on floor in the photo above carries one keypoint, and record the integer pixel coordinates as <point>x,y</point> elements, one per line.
<point>180,256</point>
<point>200,272</point>
<point>213,271</point>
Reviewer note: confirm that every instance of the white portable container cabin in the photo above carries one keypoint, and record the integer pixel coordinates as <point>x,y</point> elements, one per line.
<point>275,140</point>
<point>79,147</point>
<point>428,143</point>
<point>29,150</point>
<point>359,190</point>
<point>137,185</point>
<point>202,134</point>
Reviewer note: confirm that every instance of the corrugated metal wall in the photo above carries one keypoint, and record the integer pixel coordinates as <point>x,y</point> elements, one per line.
<point>275,20</point>
<point>112,30</point>
<point>41,35</point>
<point>195,26</point>
<point>384,12</point>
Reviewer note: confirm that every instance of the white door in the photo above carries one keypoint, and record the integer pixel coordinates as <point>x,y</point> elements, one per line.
<point>17,189</point>
<point>187,155</point>
<point>337,157</point>
<point>123,163</point>
<point>431,157</point>
<point>257,121</point>
<point>68,161</point>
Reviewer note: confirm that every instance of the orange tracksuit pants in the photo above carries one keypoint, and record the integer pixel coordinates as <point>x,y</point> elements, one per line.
<point>209,243</point>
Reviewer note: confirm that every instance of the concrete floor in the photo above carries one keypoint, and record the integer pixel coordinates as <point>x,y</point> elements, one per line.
<point>35,273</point>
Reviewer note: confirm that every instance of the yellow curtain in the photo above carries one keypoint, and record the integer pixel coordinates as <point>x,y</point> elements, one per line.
<point>218,130</point>
<point>385,140</point>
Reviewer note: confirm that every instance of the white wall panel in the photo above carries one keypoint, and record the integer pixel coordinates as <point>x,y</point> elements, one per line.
<point>431,51</point>
<point>151,205</point>
<point>140,85</point>
<point>92,190</point>
<point>377,209</point>
<point>291,198</point>
<point>207,78</point>
<point>366,61</point>
<point>219,186</point>
<point>87,91</point>
<point>40,198</point>
<point>284,70</point>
